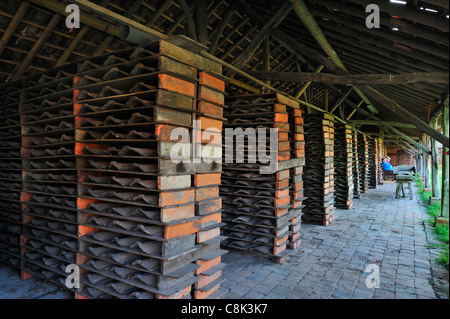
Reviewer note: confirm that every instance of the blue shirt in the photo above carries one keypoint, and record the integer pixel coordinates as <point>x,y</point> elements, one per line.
<point>387,166</point>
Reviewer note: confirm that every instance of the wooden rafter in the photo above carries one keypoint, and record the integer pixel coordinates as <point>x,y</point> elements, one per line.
<point>220,29</point>
<point>20,13</point>
<point>36,48</point>
<point>304,14</point>
<point>352,78</point>
<point>263,33</point>
<point>429,19</point>
<point>189,19</point>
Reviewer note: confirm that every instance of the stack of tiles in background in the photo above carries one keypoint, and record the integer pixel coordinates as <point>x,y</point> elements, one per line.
<point>355,165</point>
<point>379,142</point>
<point>363,157</point>
<point>10,175</point>
<point>207,179</point>
<point>256,204</point>
<point>50,230</point>
<point>343,165</point>
<point>373,163</point>
<point>141,234</point>
<point>297,140</point>
<point>319,169</point>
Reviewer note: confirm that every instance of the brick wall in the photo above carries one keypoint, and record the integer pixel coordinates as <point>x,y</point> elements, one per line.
<point>399,157</point>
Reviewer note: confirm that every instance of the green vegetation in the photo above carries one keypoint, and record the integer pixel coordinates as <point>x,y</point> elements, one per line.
<point>441,230</point>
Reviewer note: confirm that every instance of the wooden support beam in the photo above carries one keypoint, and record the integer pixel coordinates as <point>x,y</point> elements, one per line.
<point>102,47</point>
<point>192,33</point>
<point>306,85</point>
<point>354,111</point>
<point>392,37</point>
<point>263,33</point>
<point>440,3</point>
<point>202,23</point>
<point>159,12</point>
<point>445,165</point>
<point>407,116</point>
<point>367,79</point>
<point>381,123</point>
<point>36,48</point>
<point>417,16</point>
<point>342,99</point>
<point>86,19</point>
<point>435,182</point>
<point>391,129</point>
<point>220,29</point>
<point>308,20</point>
<point>440,107</point>
<point>12,26</point>
<point>363,91</point>
<point>73,45</point>
<point>426,161</point>
<point>266,56</point>
<point>409,28</point>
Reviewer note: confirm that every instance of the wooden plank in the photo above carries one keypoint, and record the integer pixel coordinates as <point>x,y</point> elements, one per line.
<point>190,58</point>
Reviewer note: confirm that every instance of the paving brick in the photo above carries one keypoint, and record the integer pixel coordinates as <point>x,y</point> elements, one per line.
<point>330,261</point>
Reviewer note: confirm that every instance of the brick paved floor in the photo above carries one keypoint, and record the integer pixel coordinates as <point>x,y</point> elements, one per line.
<point>330,262</point>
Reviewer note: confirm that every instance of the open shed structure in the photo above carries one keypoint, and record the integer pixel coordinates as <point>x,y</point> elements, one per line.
<point>93,114</point>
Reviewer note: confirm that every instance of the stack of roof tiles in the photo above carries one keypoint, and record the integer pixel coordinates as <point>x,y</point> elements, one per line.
<point>344,187</point>
<point>261,211</point>
<point>101,189</point>
<point>319,169</point>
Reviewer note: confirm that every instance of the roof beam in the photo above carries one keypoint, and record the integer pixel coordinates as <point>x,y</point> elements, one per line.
<point>397,109</point>
<point>86,19</point>
<point>364,90</point>
<point>20,13</point>
<point>36,48</point>
<point>395,37</point>
<point>342,99</point>
<point>440,3</point>
<point>220,29</point>
<point>381,123</point>
<point>352,78</point>
<point>429,19</point>
<point>263,33</point>
<point>307,19</point>
<point>202,23</point>
<point>409,28</point>
<point>81,33</point>
<point>189,20</point>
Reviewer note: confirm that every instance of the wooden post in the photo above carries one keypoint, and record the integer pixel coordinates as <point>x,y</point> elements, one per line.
<point>192,33</point>
<point>435,183</point>
<point>427,162</point>
<point>202,24</point>
<point>266,58</point>
<point>445,167</point>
